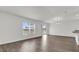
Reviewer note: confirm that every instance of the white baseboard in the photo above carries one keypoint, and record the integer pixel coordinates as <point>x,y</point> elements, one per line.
<point>62,35</point>
<point>11,41</point>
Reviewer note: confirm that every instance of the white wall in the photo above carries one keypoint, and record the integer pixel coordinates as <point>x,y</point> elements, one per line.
<point>11,28</point>
<point>65,28</point>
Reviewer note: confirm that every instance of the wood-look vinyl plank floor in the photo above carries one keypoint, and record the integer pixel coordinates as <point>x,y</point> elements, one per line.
<point>52,44</point>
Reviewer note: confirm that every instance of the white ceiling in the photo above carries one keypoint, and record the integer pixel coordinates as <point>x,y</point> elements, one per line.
<point>45,13</point>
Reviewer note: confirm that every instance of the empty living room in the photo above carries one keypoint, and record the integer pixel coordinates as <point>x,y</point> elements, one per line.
<point>39,28</point>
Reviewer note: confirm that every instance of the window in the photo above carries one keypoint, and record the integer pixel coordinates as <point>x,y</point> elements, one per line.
<point>28,28</point>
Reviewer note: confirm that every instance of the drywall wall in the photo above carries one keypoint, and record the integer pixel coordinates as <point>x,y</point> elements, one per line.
<point>64,28</point>
<point>11,28</point>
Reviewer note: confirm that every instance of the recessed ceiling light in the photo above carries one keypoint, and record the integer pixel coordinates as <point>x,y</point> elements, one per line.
<point>77,15</point>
